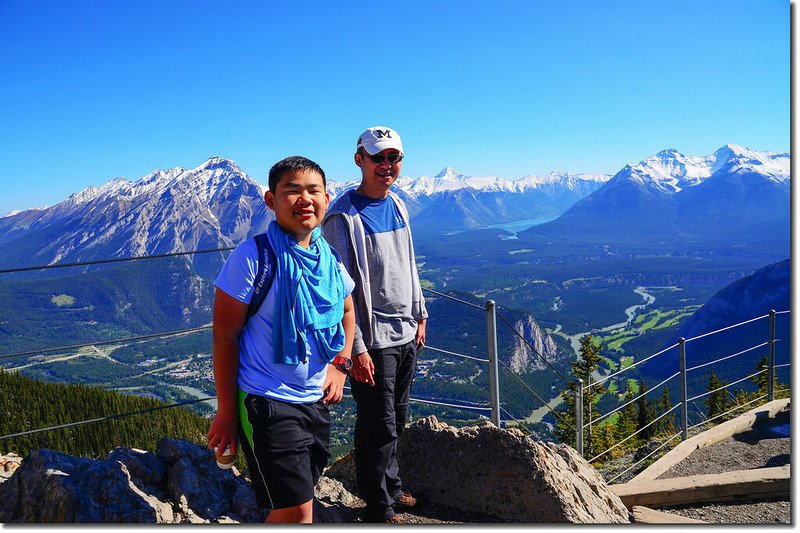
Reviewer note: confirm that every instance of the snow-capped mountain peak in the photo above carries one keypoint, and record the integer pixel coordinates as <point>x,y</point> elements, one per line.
<point>219,163</point>
<point>670,171</point>
<point>735,158</point>
<point>448,173</point>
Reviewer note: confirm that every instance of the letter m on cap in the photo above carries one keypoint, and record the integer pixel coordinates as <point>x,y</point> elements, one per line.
<point>380,134</point>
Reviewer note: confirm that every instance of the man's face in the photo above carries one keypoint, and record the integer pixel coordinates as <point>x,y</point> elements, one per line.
<point>299,201</point>
<point>376,178</point>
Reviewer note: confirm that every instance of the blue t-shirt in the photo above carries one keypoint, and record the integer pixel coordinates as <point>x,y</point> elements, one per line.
<point>258,371</point>
<point>378,215</point>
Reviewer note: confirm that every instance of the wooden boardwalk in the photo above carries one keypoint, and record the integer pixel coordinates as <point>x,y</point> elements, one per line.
<point>647,490</point>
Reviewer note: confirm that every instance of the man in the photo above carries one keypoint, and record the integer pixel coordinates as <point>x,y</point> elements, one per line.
<point>369,228</point>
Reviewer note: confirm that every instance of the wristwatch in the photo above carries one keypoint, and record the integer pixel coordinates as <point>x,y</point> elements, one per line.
<point>344,364</point>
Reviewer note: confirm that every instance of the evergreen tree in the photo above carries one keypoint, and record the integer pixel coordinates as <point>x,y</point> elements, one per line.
<point>666,426</point>
<point>627,422</point>
<point>27,404</point>
<point>646,414</point>
<point>717,401</point>
<point>587,363</point>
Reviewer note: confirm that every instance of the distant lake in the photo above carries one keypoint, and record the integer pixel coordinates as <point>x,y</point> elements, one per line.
<point>514,227</point>
<point>521,225</point>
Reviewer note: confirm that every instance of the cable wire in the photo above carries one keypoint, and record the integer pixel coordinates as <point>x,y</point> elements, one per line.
<point>443,295</point>
<point>456,354</point>
<point>729,356</point>
<point>109,417</point>
<point>726,328</point>
<point>544,403</point>
<point>606,378</point>
<point>540,356</point>
<point>643,459</point>
<point>104,343</point>
<point>114,260</point>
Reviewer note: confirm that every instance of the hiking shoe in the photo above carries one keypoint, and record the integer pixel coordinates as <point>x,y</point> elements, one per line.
<point>394,520</point>
<point>406,501</point>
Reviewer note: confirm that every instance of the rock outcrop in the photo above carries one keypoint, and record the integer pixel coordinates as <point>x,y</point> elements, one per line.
<point>502,473</point>
<point>180,483</point>
<point>478,469</point>
<point>523,358</point>
<point>499,473</point>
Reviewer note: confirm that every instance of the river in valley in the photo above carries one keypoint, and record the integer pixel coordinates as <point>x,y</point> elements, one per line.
<point>575,341</point>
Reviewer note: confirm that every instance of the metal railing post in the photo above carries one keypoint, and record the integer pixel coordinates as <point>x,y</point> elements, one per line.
<point>579,416</point>
<point>684,392</point>
<point>494,374</point>
<point>771,367</point>
<point>589,413</point>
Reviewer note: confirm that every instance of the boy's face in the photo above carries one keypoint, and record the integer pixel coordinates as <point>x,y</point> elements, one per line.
<point>299,201</point>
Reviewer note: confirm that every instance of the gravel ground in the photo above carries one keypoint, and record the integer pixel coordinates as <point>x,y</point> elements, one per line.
<point>766,445</point>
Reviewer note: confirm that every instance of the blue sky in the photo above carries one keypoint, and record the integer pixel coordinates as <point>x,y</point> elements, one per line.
<point>93,90</point>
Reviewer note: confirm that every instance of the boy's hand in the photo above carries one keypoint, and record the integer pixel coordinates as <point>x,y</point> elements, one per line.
<point>224,432</point>
<point>363,369</point>
<point>333,385</point>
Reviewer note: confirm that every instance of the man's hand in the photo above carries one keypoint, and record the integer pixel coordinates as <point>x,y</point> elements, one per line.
<point>363,369</point>
<point>419,339</point>
<point>334,383</point>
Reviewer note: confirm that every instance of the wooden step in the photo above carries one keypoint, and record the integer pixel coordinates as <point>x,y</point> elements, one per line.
<point>645,515</point>
<point>716,434</point>
<point>758,483</point>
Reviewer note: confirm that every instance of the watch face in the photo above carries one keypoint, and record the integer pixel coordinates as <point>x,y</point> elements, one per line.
<point>344,364</point>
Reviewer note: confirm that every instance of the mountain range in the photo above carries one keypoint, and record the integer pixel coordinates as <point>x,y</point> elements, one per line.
<point>735,195</point>
<point>745,303</point>
<point>665,196</point>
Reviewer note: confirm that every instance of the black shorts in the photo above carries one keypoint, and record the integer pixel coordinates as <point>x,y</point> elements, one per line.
<point>286,447</point>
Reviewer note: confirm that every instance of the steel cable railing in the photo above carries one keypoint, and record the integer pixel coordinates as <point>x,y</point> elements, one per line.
<point>643,459</point>
<point>540,356</point>
<point>726,328</point>
<point>108,417</point>
<point>435,402</point>
<point>708,393</point>
<point>640,430</point>
<point>461,355</point>
<point>112,260</point>
<point>525,385</point>
<point>123,340</point>
<point>715,361</point>
<point>692,401</point>
<point>446,352</point>
<point>634,365</point>
<point>453,298</point>
<point>621,407</point>
<point>728,412</point>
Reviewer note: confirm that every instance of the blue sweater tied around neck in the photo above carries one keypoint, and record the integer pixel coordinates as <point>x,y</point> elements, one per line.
<point>310,298</point>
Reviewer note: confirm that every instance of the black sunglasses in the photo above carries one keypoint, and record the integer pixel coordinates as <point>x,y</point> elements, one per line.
<point>378,158</point>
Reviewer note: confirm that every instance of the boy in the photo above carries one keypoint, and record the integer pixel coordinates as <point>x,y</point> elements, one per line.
<point>277,372</point>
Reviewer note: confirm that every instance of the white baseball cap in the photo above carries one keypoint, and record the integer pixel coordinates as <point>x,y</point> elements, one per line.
<point>379,138</point>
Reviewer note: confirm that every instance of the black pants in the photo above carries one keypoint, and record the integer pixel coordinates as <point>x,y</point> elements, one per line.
<point>381,415</point>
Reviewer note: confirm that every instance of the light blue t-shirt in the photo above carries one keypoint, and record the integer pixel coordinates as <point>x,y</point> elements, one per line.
<point>258,371</point>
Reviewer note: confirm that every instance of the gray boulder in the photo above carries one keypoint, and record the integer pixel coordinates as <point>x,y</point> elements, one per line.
<point>502,473</point>
<point>180,483</point>
<point>499,473</point>
<point>53,487</point>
